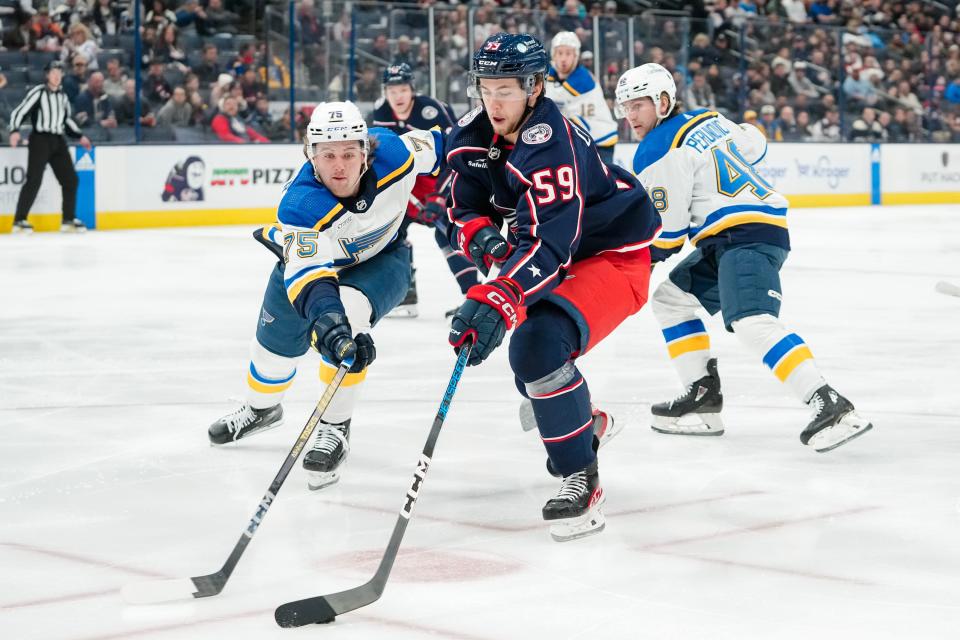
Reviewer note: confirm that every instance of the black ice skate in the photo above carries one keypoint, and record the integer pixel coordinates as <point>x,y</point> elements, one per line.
<point>834,421</point>
<point>22,226</point>
<point>604,428</point>
<point>575,511</point>
<point>329,451</point>
<point>244,422</point>
<point>696,412</point>
<point>408,307</point>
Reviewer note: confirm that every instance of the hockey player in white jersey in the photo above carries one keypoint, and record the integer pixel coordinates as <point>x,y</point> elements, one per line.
<point>698,168</point>
<point>578,95</point>
<point>341,269</point>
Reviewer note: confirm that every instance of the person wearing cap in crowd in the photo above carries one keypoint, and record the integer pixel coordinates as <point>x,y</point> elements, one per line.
<point>575,91</point>
<point>401,109</point>
<point>768,123</point>
<point>50,114</point>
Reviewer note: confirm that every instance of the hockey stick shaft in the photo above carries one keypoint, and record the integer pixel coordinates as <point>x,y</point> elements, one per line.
<point>325,608</point>
<point>212,584</point>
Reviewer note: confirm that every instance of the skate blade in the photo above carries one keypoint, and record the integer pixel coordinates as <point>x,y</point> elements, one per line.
<point>317,480</point>
<point>274,425</point>
<point>575,528</point>
<point>705,424</point>
<point>406,311</point>
<point>613,428</point>
<point>849,427</point>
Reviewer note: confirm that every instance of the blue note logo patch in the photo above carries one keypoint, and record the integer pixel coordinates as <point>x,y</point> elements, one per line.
<point>537,134</point>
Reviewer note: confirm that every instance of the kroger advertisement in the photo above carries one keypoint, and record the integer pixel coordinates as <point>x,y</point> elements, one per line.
<point>810,175</point>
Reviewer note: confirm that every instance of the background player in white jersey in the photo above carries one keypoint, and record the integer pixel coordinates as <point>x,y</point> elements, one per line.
<point>578,95</point>
<point>698,169</point>
<point>342,268</point>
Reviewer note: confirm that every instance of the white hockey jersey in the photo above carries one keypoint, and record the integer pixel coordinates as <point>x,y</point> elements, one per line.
<point>322,235</point>
<point>698,168</point>
<point>581,100</point>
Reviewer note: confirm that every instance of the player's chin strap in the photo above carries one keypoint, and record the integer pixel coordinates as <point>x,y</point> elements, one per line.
<point>526,114</point>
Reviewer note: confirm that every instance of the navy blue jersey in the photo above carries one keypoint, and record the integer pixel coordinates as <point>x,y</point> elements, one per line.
<point>561,202</point>
<point>427,113</point>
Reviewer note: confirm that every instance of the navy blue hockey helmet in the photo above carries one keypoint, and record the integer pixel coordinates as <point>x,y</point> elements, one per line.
<point>397,74</point>
<point>509,55</point>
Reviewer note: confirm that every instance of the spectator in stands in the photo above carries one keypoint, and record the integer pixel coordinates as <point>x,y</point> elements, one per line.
<point>828,128</point>
<point>788,126</point>
<point>405,52</point>
<point>800,84</point>
<point>45,35</point>
<point>148,43</point>
<point>168,48</point>
<point>952,93</point>
<point>573,17</point>
<point>156,89</point>
<point>191,15</point>
<point>261,119</point>
<point>74,82</point>
<point>80,42</point>
<point>228,126</point>
<point>367,87</point>
<point>780,80</point>
<point>699,95</point>
<point>69,12</point>
<point>208,69</point>
<point>93,105</point>
<point>381,47</point>
<point>178,112</point>
<point>159,16</point>
<point>821,12</point>
<point>17,38</point>
<point>107,15</point>
<point>859,90</point>
<point>897,127</point>
<point>867,128</point>
<point>311,28</point>
<point>613,33</point>
<point>116,78</point>
<point>722,56</point>
<point>124,112</point>
<point>768,123</point>
<point>219,20</point>
<point>803,126</point>
<point>251,88</point>
<point>701,50</point>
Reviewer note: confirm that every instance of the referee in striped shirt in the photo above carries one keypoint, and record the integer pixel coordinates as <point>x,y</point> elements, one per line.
<point>49,110</point>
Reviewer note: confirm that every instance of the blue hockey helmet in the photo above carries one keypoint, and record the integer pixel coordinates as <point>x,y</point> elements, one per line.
<point>399,73</point>
<point>509,55</point>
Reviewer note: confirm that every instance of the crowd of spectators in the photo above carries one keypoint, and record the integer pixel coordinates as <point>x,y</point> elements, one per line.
<point>802,70</point>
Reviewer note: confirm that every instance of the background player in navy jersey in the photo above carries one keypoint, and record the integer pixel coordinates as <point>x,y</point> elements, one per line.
<point>577,262</point>
<point>342,267</point>
<point>402,109</point>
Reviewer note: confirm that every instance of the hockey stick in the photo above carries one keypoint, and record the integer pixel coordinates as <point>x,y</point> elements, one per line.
<point>154,591</point>
<point>948,288</point>
<point>323,609</point>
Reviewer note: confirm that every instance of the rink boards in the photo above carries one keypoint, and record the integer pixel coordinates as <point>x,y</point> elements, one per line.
<point>125,187</point>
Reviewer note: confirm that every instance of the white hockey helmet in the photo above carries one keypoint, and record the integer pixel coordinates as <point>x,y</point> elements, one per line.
<point>566,39</point>
<point>646,81</point>
<point>337,122</point>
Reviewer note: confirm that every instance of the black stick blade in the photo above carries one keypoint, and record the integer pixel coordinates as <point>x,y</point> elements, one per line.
<point>304,612</point>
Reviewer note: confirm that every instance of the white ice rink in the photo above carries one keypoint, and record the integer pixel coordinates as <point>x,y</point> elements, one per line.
<point>117,349</point>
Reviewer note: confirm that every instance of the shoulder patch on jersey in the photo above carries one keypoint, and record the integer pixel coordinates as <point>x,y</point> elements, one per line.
<point>537,134</point>
<point>429,113</point>
<point>469,116</point>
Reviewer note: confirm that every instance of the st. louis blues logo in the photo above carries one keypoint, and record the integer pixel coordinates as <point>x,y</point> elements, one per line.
<point>265,317</point>
<point>354,247</point>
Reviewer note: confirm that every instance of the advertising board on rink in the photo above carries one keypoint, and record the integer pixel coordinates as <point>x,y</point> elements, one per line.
<point>13,173</point>
<point>154,186</point>
<point>920,173</point>
<point>810,175</point>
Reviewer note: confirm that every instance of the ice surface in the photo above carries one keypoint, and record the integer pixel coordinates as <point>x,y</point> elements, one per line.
<point>118,349</point>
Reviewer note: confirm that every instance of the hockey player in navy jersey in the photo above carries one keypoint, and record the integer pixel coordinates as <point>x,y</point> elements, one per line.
<point>699,170</point>
<point>402,109</point>
<point>575,262</point>
<point>578,95</point>
<point>342,267</point>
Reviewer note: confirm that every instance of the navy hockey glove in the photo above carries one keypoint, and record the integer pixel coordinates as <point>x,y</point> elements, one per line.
<point>434,208</point>
<point>485,316</point>
<point>333,339</point>
<point>366,352</point>
<point>482,243</point>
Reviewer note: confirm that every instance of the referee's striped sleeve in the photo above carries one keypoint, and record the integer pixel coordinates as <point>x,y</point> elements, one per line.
<point>69,125</point>
<point>25,107</point>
